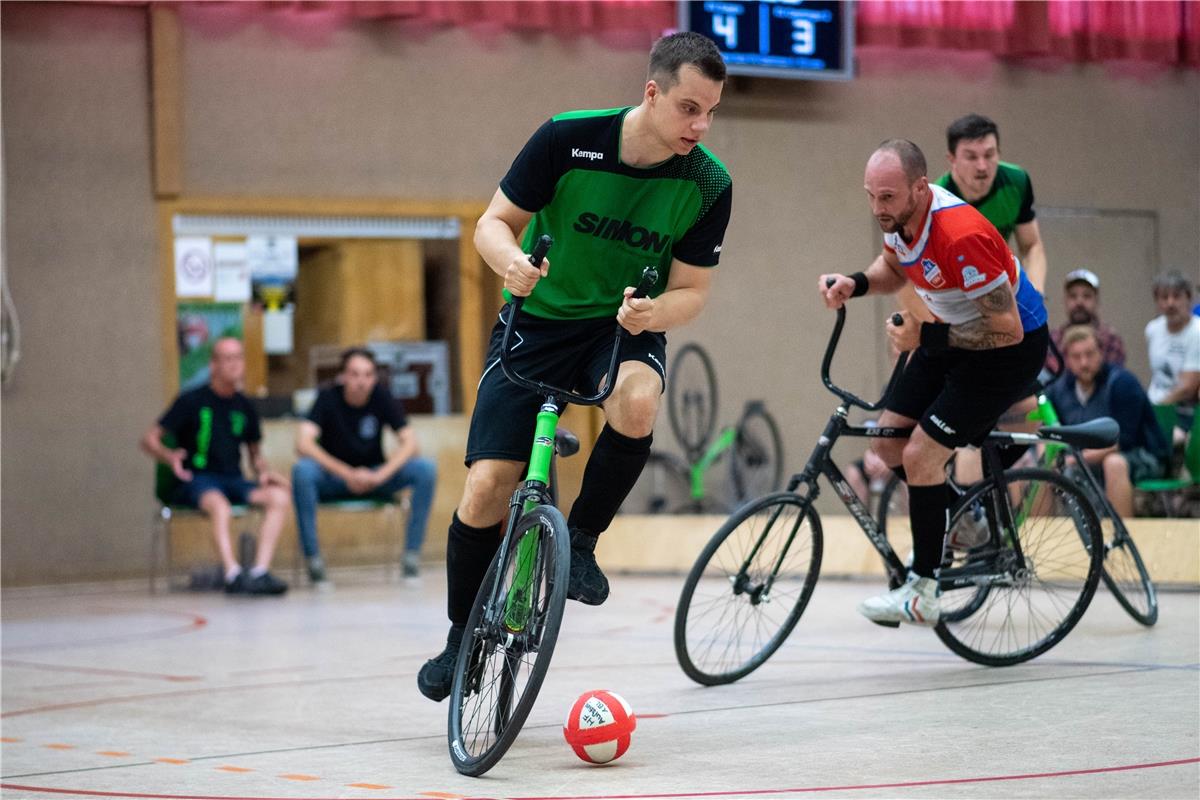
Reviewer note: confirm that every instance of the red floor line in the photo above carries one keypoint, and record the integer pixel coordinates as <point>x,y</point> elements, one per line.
<point>723,793</point>
<point>196,622</point>
<point>241,687</point>
<point>119,673</point>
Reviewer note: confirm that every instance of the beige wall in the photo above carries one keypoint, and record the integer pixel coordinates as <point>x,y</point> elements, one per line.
<point>80,248</point>
<point>378,112</point>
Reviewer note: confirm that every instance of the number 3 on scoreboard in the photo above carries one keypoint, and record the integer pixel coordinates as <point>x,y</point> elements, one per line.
<point>804,37</point>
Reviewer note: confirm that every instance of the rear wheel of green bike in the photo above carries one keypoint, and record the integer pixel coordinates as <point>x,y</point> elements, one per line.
<point>747,589</point>
<point>1008,602</point>
<point>757,464</point>
<point>508,642</point>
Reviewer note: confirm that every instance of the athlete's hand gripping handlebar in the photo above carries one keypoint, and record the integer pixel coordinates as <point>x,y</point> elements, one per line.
<point>849,397</point>
<point>649,279</point>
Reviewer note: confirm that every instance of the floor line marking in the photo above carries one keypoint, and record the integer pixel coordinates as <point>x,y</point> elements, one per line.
<point>113,753</point>
<point>228,768</point>
<point>784,703</point>
<point>291,776</point>
<point>120,673</point>
<point>172,760</point>
<point>58,746</point>
<point>662,795</point>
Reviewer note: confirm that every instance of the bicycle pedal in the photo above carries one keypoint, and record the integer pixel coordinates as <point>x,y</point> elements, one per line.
<point>886,624</point>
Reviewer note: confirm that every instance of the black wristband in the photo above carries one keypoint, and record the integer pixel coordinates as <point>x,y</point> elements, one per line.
<point>935,335</point>
<point>861,284</point>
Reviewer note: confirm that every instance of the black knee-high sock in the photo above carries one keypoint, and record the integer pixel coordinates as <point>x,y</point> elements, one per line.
<point>927,516</point>
<point>469,552</point>
<point>613,468</point>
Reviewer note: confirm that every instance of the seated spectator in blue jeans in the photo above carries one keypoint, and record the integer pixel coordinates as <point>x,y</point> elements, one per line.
<point>341,457</point>
<point>1090,389</point>
<point>210,425</point>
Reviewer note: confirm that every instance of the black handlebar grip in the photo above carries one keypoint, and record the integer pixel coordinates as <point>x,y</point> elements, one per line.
<point>540,249</point>
<point>829,282</point>
<point>897,320</point>
<point>649,278</point>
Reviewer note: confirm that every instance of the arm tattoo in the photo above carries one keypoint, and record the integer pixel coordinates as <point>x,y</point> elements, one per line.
<point>982,333</point>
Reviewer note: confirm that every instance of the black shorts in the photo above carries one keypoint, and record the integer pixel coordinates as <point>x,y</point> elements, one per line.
<point>957,395</point>
<point>571,353</point>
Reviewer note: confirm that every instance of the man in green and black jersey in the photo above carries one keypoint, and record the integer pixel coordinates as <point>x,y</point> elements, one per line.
<point>207,428</point>
<point>1002,192</point>
<point>618,190</point>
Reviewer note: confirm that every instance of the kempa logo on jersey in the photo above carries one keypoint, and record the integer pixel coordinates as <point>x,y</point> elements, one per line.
<point>622,230</point>
<point>590,155</point>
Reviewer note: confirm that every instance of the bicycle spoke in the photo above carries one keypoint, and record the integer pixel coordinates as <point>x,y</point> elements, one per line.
<point>1036,594</point>
<point>747,589</point>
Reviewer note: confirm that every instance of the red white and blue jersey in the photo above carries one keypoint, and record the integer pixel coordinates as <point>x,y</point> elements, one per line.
<point>959,257</point>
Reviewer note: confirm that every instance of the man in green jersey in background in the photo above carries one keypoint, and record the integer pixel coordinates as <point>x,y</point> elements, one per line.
<point>1002,192</point>
<point>618,190</point>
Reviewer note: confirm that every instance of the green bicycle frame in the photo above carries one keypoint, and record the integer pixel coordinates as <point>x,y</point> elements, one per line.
<point>517,605</point>
<point>720,445</point>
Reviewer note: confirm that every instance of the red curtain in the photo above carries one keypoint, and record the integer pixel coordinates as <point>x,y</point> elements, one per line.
<point>1161,31</point>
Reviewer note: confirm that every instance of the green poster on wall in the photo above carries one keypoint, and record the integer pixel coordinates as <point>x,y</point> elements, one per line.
<point>198,326</point>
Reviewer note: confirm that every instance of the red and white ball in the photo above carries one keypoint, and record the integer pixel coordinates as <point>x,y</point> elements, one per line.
<point>599,726</point>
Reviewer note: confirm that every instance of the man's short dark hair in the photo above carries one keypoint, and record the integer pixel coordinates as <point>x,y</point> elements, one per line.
<point>970,127</point>
<point>352,352</point>
<point>1171,282</point>
<point>672,52</point>
<point>912,160</point>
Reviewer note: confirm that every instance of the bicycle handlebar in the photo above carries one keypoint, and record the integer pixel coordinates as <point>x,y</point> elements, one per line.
<point>649,279</point>
<point>850,397</point>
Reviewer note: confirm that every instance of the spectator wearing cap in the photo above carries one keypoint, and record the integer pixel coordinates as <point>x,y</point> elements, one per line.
<point>1173,339</point>
<point>1092,388</point>
<point>1081,299</point>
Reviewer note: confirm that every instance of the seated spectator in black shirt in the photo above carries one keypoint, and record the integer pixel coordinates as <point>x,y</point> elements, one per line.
<point>341,450</point>
<point>210,425</point>
<point>1091,388</point>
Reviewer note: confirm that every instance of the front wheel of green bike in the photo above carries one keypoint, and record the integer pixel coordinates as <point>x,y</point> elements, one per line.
<point>509,640</point>
<point>1019,595</point>
<point>747,589</point>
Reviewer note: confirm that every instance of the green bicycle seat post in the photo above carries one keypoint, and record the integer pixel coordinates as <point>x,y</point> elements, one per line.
<point>516,608</point>
<point>714,451</point>
<point>1047,415</point>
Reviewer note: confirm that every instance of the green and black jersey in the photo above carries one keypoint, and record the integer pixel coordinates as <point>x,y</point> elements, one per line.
<point>610,220</point>
<point>1008,204</point>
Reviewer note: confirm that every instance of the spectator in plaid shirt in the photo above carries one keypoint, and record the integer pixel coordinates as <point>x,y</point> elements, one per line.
<point>1081,296</point>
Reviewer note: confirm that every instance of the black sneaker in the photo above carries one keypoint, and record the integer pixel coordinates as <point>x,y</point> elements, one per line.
<point>265,584</point>
<point>587,584</point>
<point>239,585</point>
<point>437,675</point>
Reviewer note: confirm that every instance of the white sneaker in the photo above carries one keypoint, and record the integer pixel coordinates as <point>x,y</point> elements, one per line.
<point>916,602</point>
<point>971,530</point>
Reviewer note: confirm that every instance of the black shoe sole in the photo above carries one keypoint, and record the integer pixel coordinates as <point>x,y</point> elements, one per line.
<point>587,600</point>
<point>435,692</point>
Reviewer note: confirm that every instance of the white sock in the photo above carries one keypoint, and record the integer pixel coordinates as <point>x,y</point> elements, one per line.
<point>256,572</point>
<point>232,573</point>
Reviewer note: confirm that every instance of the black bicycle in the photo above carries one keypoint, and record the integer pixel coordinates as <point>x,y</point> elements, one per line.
<point>514,623</point>
<point>1124,572</point>
<point>1005,602</point>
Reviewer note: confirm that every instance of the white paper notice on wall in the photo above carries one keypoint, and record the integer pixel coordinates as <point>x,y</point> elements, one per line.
<point>273,257</point>
<point>232,273</point>
<point>193,266</point>
<point>277,331</point>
